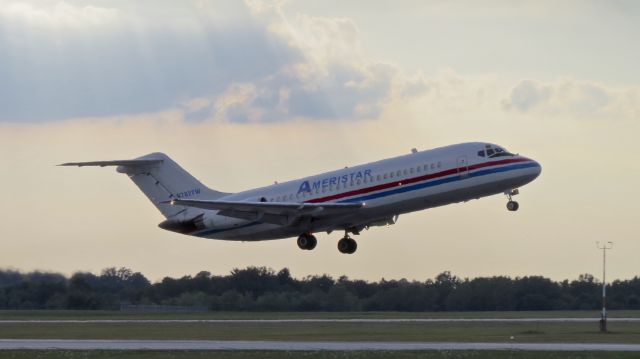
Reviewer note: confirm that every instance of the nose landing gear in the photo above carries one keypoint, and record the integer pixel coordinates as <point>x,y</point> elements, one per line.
<point>512,205</point>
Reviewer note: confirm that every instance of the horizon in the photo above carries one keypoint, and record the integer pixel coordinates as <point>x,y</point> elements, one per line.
<point>581,277</point>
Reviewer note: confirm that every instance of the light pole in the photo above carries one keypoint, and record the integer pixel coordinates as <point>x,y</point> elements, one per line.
<point>603,315</point>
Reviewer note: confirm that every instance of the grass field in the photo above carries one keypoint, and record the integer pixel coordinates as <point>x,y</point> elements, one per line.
<point>257,354</point>
<point>103,314</point>
<point>432,332</point>
<point>522,332</point>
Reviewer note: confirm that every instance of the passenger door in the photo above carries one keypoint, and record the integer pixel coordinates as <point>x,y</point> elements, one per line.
<point>463,167</point>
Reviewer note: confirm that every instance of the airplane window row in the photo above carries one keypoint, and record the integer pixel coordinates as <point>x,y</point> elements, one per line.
<point>366,179</point>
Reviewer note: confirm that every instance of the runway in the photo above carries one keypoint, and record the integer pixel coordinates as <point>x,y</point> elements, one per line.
<point>14,344</point>
<point>275,321</point>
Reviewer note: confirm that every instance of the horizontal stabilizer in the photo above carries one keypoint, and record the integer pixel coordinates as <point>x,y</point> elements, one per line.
<point>129,163</point>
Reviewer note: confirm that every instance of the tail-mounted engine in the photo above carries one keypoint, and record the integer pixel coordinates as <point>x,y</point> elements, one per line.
<point>185,226</point>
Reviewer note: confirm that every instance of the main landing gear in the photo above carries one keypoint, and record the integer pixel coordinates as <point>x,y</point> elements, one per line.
<point>347,245</point>
<point>512,205</point>
<point>307,241</point>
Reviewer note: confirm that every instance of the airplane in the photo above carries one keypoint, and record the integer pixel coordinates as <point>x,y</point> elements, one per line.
<point>350,199</point>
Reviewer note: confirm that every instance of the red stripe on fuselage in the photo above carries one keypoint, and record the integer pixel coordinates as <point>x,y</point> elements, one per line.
<point>416,179</point>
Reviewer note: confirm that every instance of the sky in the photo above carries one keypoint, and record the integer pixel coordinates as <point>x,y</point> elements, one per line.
<point>242,94</point>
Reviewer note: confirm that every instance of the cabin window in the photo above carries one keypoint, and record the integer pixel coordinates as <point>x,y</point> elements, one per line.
<point>426,167</point>
<point>439,164</point>
<point>411,170</point>
<point>418,169</point>
<point>433,165</point>
<point>398,173</point>
<point>391,175</point>
<point>378,178</point>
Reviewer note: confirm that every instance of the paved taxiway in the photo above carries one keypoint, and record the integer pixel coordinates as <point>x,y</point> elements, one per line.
<point>283,345</point>
<point>361,320</point>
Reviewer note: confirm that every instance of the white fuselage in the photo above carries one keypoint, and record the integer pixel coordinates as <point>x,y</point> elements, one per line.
<point>388,188</point>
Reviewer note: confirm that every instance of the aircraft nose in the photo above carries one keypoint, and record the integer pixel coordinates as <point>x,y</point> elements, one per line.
<point>536,169</point>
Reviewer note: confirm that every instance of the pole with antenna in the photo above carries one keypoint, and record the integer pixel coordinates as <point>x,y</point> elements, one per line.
<point>603,315</point>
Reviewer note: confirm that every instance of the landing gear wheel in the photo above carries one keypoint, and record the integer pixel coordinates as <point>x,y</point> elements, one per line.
<point>307,241</point>
<point>512,205</point>
<point>312,242</point>
<point>347,245</point>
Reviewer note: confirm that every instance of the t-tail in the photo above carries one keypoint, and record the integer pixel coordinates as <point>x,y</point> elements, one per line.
<point>161,180</point>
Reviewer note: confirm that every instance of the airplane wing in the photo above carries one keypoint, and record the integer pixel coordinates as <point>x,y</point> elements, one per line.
<point>282,213</point>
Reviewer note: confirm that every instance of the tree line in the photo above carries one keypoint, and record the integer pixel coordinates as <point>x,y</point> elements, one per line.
<point>263,289</point>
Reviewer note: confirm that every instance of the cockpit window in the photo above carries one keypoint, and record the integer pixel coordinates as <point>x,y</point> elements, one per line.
<point>494,151</point>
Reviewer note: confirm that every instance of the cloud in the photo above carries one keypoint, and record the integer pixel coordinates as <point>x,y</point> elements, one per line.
<point>526,95</point>
<point>570,97</point>
<point>330,79</point>
<point>76,59</point>
<point>57,15</point>
<point>158,54</point>
<point>236,62</point>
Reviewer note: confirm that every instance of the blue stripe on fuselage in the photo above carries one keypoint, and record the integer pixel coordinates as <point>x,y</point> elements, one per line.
<point>433,183</point>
